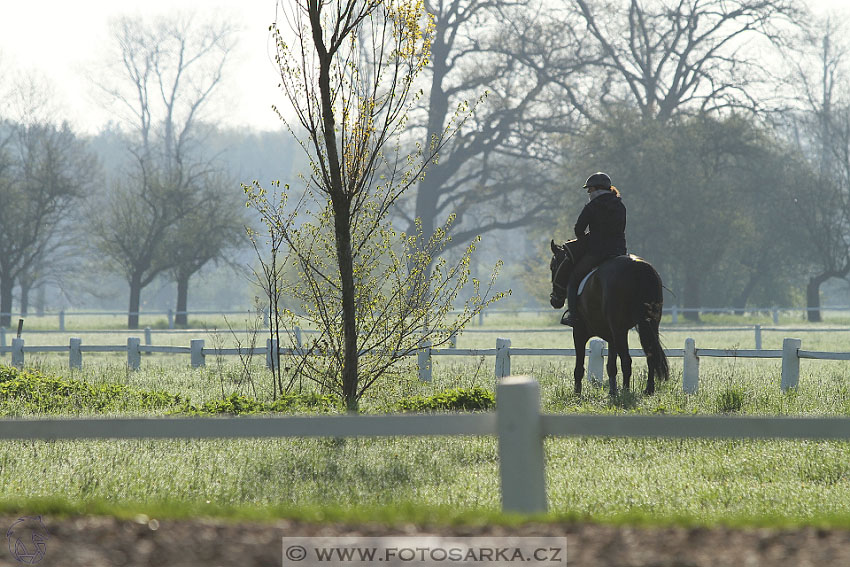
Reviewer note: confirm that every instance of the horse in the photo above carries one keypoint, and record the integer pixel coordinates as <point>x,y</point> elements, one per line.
<point>623,292</point>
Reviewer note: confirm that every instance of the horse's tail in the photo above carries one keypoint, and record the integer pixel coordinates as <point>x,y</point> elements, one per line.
<point>648,314</point>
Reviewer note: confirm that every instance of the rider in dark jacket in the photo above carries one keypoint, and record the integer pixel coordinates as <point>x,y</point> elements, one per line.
<point>602,227</point>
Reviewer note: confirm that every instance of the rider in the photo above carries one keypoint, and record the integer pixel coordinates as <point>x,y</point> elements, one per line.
<point>602,227</point>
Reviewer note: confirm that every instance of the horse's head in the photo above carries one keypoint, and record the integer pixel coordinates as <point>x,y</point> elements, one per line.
<point>561,266</point>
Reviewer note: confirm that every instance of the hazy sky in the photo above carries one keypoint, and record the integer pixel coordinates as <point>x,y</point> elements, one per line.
<point>61,39</point>
<point>64,39</point>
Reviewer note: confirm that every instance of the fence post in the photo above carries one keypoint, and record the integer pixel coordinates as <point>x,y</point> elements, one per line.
<point>503,358</point>
<point>148,339</point>
<point>75,355</point>
<point>453,340</point>
<point>480,318</point>
<point>266,317</point>
<point>790,364</point>
<point>18,353</point>
<point>272,354</point>
<point>521,458</point>
<point>197,348</point>
<point>758,337</point>
<point>62,320</point>
<point>170,318</point>
<point>775,316</point>
<point>595,364</point>
<point>675,314</point>
<point>134,355</point>
<point>423,360</point>
<point>3,339</point>
<point>690,368</point>
<point>298,337</point>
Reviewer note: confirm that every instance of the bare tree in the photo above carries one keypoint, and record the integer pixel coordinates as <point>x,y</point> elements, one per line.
<point>701,55</point>
<point>44,172</point>
<point>169,70</point>
<point>500,170</point>
<point>348,75</point>
<point>214,226</point>
<point>822,128</point>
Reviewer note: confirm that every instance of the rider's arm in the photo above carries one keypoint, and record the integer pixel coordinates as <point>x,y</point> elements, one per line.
<point>583,222</point>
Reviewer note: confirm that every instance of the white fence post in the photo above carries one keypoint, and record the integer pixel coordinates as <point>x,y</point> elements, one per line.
<point>18,353</point>
<point>595,363</point>
<point>134,355</point>
<point>775,316</point>
<point>170,319</point>
<point>521,458</point>
<point>298,337</point>
<point>790,364</point>
<point>503,358</point>
<point>690,368</point>
<point>423,360</point>
<point>62,320</point>
<point>75,354</point>
<point>148,338</point>
<point>758,337</point>
<point>453,340</point>
<point>3,339</point>
<point>675,314</point>
<point>197,349</point>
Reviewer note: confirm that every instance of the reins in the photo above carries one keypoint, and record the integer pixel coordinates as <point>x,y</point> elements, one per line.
<point>571,258</point>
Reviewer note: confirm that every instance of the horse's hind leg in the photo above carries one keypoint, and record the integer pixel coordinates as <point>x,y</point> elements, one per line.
<point>620,347</point>
<point>611,367</point>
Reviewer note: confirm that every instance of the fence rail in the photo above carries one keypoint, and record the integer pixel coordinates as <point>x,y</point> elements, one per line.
<point>518,424</point>
<point>170,314</point>
<point>790,354</point>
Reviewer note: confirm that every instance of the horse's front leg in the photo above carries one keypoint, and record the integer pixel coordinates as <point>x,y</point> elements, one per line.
<point>579,340</point>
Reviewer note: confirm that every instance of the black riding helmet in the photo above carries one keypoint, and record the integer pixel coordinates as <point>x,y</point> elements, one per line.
<point>598,179</point>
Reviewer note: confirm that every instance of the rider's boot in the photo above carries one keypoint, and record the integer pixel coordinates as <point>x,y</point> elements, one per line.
<point>571,316</point>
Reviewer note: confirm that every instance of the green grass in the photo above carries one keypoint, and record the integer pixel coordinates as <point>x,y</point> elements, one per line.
<point>444,480</point>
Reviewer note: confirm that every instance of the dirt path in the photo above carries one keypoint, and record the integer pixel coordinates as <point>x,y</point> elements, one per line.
<point>103,541</point>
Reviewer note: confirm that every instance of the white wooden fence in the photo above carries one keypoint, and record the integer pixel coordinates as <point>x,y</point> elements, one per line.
<point>517,422</point>
<point>790,354</point>
<point>674,311</point>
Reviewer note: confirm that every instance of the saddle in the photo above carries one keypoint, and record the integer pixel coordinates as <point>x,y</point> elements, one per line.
<point>585,279</point>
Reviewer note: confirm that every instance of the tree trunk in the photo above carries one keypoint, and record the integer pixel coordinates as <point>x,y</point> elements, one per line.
<point>135,300</point>
<point>342,217</point>
<point>741,301</point>
<point>39,301</point>
<point>25,298</point>
<point>181,317</point>
<point>6,302</point>
<point>350,360</point>
<point>691,298</point>
<point>813,297</point>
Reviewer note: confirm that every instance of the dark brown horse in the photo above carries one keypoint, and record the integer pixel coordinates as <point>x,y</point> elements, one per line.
<point>624,292</point>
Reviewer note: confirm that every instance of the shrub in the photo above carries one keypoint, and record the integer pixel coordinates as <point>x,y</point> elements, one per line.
<point>242,405</point>
<point>469,399</point>
<point>29,391</point>
<point>730,400</point>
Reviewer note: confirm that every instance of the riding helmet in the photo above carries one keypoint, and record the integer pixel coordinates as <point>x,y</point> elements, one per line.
<point>598,180</point>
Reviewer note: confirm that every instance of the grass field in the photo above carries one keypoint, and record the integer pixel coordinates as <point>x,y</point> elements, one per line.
<point>697,481</point>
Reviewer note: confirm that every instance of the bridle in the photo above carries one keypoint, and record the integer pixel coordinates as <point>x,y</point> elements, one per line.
<point>555,285</point>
